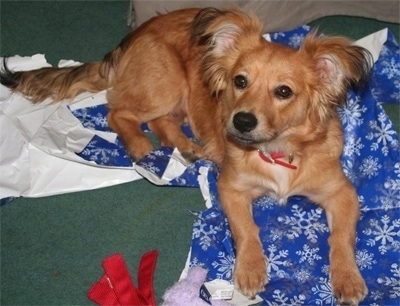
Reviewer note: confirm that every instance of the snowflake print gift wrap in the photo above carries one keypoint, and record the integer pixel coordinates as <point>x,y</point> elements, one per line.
<point>295,236</point>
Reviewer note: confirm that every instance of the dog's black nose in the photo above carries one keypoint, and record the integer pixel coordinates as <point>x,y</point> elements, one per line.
<point>244,122</point>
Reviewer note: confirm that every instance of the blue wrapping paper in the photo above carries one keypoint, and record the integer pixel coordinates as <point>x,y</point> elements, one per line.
<point>295,236</point>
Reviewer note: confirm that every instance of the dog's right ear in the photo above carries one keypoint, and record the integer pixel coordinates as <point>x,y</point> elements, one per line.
<point>217,36</point>
<point>221,32</point>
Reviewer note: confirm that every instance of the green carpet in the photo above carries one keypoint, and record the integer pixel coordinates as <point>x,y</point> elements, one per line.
<point>52,247</point>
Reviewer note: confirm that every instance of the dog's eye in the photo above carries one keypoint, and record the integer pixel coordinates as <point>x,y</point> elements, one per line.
<point>240,81</point>
<point>283,92</point>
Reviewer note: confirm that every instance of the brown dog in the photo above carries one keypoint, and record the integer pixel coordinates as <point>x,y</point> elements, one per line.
<point>266,113</point>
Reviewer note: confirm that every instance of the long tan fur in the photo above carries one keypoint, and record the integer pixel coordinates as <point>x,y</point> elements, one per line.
<point>246,99</point>
<point>63,83</point>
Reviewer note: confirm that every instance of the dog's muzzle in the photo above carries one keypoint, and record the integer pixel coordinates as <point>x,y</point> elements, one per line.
<point>242,129</point>
<point>245,129</point>
<point>244,122</point>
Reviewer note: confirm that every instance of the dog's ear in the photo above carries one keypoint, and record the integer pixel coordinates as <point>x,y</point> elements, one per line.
<point>221,33</point>
<point>338,65</point>
<point>217,36</point>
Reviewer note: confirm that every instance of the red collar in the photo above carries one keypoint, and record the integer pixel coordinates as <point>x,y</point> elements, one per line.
<point>274,158</point>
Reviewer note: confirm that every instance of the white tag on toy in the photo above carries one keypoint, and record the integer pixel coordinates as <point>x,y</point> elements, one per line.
<point>220,289</point>
<point>223,294</point>
<point>223,290</point>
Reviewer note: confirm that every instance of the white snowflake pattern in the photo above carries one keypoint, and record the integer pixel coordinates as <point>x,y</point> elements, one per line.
<point>392,282</point>
<point>158,153</point>
<point>275,36</point>
<point>302,275</point>
<point>224,266</point>
<point>323,290</point>
<point>386,232</point>
<point>99,155</point>
<point>352,114</point>
<point>396,94</point>
<point>151,157</point>
<point>206,236</point>
<point>296,40</point>
<point>353,146</point>
<point>150,166</point>
<point>277,234</point>
<point>309,255</point>
<point>100,120</point>
<point>277,259</point>
<point>376,295</point>
<point>361,200</point>
<point>391,69</point>
<point>369,167</point>
<point>365,260</point>
<point>89,120</point>
<point>195,262</point>
<point>397,169</point>
<point>383,134</point>
<point>348,169</point>
<point>179,181</point>
<point>388,194</point>
<point>393,184</point>
<point>280,299</point>
<point>307,222</point>
<point>84,116</point>
<point>192,171</point>
<point>325,269</point>
<point>265,203</point>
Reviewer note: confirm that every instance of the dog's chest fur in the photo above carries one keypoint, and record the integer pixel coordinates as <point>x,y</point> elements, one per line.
<point>279,181</point>
<point>271,179</point>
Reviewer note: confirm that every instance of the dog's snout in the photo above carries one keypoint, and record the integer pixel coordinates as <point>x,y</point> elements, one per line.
<point>244,122</point>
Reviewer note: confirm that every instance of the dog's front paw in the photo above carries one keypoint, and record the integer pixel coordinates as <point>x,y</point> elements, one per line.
<point>251,274</point>
<point>140,150</point>
<point>348,287</point>
<point>192,152</point>
<point>191,156</point>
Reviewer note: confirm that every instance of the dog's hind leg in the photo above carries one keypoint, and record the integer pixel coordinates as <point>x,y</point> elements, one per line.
<point>150,85</point>
<point>168,130</point>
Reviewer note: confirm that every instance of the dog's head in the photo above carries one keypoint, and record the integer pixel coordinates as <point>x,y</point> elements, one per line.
<point>270,92</point>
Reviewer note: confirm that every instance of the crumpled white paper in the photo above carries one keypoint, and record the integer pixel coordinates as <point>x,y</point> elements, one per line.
<point>38,142</point>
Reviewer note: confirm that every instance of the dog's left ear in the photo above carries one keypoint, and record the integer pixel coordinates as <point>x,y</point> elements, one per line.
<point>223,34</point>
<point>338,65</point>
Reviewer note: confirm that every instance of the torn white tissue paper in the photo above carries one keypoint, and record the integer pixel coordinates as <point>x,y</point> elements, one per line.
<point>38,142</point>
<point>374,43</point>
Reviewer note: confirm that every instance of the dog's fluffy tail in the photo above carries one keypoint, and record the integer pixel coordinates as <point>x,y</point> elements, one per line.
<point>58,83</point>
